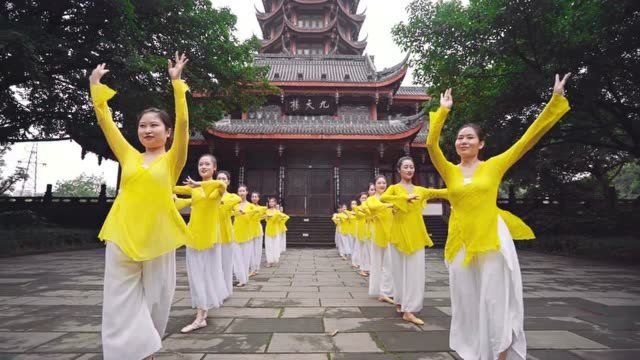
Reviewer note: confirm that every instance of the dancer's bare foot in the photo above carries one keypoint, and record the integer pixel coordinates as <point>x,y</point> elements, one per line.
<point>412,318</point>
<point>363,273</point>
<point>343,257</point>
<point>399,308</point>
<point>240,285</point>
<point>253,273</point>
<point>503,355</point>
<point>386,299</point>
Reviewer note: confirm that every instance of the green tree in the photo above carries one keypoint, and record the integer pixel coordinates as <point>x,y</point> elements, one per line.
<point>500,57</point>
<point>48,48</point>
<point>627,181</point>
<point>8,182</point>
<point>83,185</point>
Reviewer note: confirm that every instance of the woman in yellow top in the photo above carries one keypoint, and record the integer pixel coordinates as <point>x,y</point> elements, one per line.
<point>273,229</point>
<point>380,281</point>
<point>283,233</point>
<point>363,235</point>
<point>409,238</point>
<point>257,241</point>
<point>243,230</point>
<point>337,220</point>
<point>143,227</point>
<point>204,261</point>
<point>230,249</point>
<point>343,219</point>
<point>352,228</point>
<point>484,274</point>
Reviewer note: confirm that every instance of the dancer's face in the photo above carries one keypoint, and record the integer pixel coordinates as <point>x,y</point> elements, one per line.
<point>381,185</point>
<point>223,177</point>
<point>468,144</point>
<point>272,203</point>
<point>372,189</point>
<point>206,167</point>
<point>407,169</point>
<point>242,192</point>
<point>353,204</point>
<point>152,132</point>
<point>363,198</point>
<point>255,198</point>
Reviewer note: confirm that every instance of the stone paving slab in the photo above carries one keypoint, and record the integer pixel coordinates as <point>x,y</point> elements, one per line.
<point>574,309</point>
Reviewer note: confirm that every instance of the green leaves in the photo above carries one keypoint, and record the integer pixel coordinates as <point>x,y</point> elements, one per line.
<point>500,56</point>
<point>49,48</point>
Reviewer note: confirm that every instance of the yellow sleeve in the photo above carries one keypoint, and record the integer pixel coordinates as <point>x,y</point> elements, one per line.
<point>213,188</point>
<point>231,202</point>
<point>555,109</point>
<point>436,122</point>
<point>391,196</point>
<point>334,218</point>
<point>182,203</point>
<point>177,155</point>
<point>436,194</point>
<point>100,94</point>
<point>182,190</point>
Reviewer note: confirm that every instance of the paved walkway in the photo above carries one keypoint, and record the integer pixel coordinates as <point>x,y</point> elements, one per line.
<point>575,309</point>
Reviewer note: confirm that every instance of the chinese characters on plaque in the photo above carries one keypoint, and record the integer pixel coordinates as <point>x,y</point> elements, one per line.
<point>310,105</point>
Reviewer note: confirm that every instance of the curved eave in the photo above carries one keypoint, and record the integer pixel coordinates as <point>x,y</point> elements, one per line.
<point>266,44</point>
<point>385,73</point>
<point>358,18</point>
<point>388,81</point>
<point>284,136</point>
<point>299,30</point>
<point>360,45</point>
<point>266,16</point>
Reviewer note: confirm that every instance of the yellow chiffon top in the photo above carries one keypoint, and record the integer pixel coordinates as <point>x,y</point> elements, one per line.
<point>274,222</point>
<point>144,221</point>
<point>205,212</point>
<point>382,218</point>
<point>408,228</point>
<point>283,223</point>
<point>228,203</point>
<point>361,223</point>
<point>256,218</point>
<point>349,224</point>
<point>474,221</point>
<point>243,228</point>
<point>342,220</point>
<point>337,222</point>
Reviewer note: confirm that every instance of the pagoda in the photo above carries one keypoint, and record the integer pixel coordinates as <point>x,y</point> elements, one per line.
<point>337,120</point>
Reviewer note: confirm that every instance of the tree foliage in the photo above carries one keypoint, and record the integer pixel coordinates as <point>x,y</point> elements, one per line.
<point>500,57</point>
<point>83,185</point>
<point>8,182</point>
<point>48,48</point>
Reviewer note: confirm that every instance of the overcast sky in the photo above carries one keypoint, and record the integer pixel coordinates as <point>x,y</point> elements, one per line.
<point>62,159</point>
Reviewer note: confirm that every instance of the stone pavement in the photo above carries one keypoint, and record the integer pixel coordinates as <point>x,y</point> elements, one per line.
<point>575,309</point>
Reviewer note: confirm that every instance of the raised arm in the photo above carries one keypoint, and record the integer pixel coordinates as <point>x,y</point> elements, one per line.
<point>177,155</point>
<point>100,94</point>
<point>552,113</point>
<point>436,123</point>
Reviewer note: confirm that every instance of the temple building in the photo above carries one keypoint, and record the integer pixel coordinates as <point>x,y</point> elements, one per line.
<point>337,121</point>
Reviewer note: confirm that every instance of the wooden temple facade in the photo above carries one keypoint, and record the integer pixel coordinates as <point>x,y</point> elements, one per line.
<point>337,122</point>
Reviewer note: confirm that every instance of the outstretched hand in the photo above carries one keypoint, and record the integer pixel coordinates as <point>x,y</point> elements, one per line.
<point>175,69</point>
<point>98,73</point>
<point>446,99</point>
<point>191,183</point>
<point>558,87</point>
